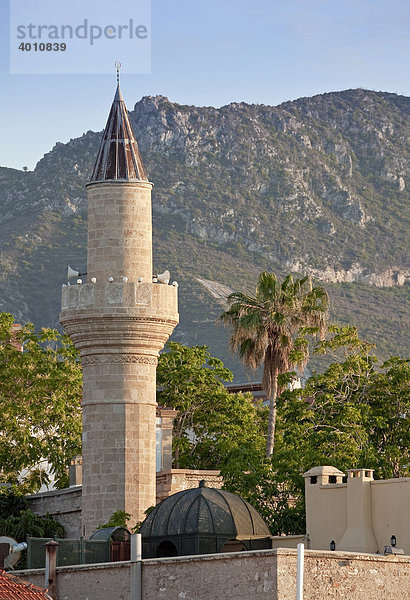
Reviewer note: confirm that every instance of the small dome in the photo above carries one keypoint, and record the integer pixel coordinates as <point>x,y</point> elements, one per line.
<point>204,510</point>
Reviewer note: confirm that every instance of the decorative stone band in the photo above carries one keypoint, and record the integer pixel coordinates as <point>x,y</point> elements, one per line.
<point>117,334</point>
<point>118,359</point>
<point>121,317</point>
<point>80,323</point>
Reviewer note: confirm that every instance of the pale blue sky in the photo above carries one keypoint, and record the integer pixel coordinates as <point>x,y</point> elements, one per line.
<point>212,52</point>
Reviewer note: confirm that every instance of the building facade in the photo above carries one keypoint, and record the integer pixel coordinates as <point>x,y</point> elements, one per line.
<point>356,512</point>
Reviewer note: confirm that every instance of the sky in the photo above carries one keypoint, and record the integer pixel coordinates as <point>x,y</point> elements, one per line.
<point>202,52</point>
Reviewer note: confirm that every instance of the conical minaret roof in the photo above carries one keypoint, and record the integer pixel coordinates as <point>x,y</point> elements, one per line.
<point>118,157</point>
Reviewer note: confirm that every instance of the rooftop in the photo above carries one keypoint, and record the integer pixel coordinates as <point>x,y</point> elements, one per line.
<point>12,587</point>
<point>204,510</point>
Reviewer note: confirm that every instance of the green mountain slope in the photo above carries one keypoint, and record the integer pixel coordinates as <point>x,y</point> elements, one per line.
<point>317,185</point>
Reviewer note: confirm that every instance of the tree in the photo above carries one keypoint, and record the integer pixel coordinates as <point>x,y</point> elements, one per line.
<point>18,521</point>
<point>353,414</point>
<point>118,519</point>
<point>359,411</point>
<point>389,418</point>
<point>271,491</point>
<point>40,399</point>
<point>270,328</point>
<point>213,429</point>
<point>218,430</point>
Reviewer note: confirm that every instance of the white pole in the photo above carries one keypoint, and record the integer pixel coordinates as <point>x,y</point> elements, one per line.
<point>136,567</point>
<point>299,572</point>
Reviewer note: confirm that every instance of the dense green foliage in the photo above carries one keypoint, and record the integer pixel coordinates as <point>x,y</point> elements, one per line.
<point>118,519</point>
<point>18,521</point>
<point>354,414</point>
<point>218,430</point>
<point>40,417</point>
<point>214,429</point>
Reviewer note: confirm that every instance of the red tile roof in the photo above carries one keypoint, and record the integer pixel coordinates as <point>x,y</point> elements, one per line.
<point>14,588</point>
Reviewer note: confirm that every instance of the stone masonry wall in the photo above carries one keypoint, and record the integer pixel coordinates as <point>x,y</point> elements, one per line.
<point>119,230</point>
<point>260,575</point>
<point>119,321</point>
<point>63,505</point>
<point>176,480</point>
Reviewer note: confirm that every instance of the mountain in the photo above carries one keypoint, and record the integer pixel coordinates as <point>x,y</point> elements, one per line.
<point>316,185</point>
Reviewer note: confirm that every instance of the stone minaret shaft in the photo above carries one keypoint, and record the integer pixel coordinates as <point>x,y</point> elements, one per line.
<point>119,328</point>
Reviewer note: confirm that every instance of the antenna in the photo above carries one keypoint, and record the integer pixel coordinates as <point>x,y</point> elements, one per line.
<point>117,65</point>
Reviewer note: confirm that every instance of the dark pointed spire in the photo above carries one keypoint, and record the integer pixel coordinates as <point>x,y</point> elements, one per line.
<point>118,157</point>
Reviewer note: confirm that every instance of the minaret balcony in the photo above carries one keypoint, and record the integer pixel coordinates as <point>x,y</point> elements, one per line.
<point>119,315</point>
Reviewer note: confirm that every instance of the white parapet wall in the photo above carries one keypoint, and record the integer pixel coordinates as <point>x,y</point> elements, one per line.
<point>356,512</point>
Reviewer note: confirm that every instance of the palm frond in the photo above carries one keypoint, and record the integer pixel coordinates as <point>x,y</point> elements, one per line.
<point>266,286</point>
<point>264,326</point>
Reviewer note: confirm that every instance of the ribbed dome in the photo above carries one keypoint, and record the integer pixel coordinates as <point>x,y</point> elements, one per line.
<point>204,510</point>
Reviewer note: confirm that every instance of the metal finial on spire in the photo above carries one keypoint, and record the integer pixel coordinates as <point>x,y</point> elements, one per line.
<point>118,67</point>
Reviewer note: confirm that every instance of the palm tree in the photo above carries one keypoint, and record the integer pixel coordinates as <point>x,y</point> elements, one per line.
<point>265,329</point>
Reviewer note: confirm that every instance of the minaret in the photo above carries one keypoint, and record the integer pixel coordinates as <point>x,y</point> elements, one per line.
<point>119,321</point>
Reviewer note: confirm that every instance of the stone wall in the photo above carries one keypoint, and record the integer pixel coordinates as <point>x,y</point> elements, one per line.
<point>289,541</point>
<point>62,505</point>
<point>176,480</point>
<point>260,575</point>
<point>65,505</point>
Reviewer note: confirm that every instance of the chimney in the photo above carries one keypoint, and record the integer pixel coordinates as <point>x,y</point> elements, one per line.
<point>75,472</point>
<point>50,573</point>
<point>15,328</point>
<point>359,535</point>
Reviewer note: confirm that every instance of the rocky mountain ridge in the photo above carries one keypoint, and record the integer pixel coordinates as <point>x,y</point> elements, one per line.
<point>316,185</point>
